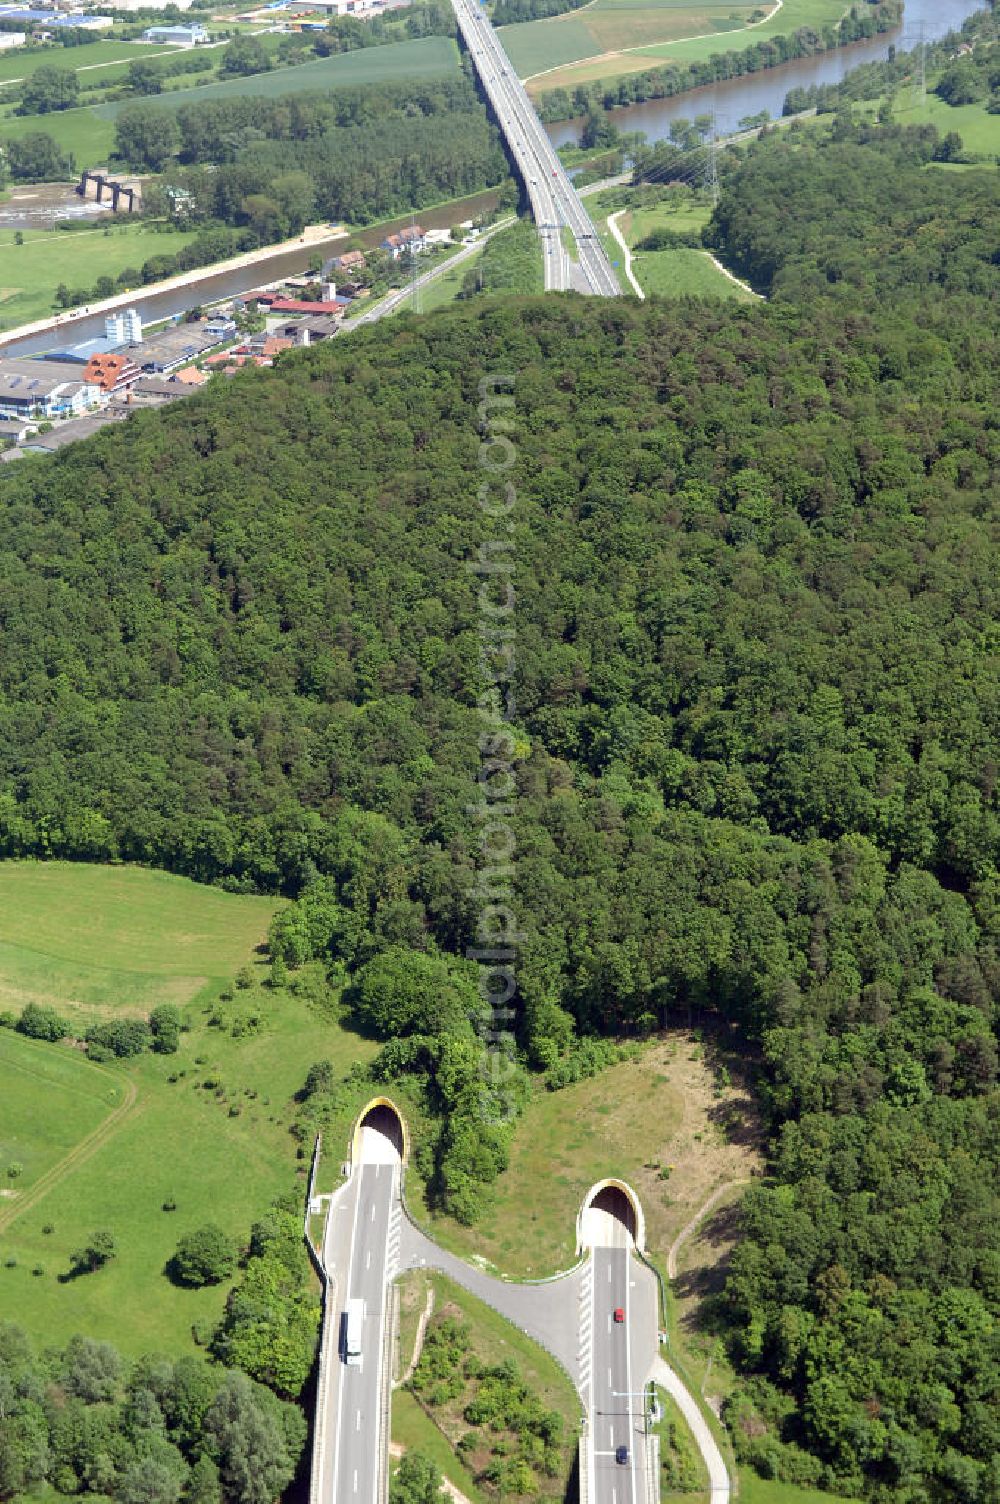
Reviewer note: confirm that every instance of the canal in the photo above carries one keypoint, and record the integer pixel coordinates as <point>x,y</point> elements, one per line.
<point>215,287</point>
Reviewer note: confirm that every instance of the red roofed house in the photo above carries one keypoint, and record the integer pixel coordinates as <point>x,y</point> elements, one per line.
<point>301,305</point>
<point>111,372</point>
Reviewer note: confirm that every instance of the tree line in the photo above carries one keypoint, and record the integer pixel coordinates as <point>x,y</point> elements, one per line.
<point>270,166</point>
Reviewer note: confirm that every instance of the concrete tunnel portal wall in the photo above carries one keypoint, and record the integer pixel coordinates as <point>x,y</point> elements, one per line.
<point>382,1114</point>
<point>616,1199</point>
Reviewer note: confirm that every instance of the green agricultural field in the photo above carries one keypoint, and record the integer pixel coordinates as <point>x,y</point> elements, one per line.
<point>533,46</point>
<point>396,62</point>
<point>21,63</point>
<point>109,1146</point>
<point>74,934</point>
<point>79,131</point>
<point>608,27</point>
<point>30,273</point>
<point>782,21</point>
<point>79,1096</point>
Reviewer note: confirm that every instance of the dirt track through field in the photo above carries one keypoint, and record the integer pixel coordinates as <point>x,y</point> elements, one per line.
<point>698,1217</point>
<point>78,1155</point>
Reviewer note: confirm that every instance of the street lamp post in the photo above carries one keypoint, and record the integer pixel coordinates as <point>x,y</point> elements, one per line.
<point>635,1394</point>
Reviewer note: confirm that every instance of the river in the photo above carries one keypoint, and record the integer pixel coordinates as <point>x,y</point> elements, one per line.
<point>214,287</point>
<point>734,99</point>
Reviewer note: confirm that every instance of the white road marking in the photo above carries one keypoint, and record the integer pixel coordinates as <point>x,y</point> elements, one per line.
<point>368,1259</point>
<point>355,1480</point>
<point>357,1422</point>
<point>373,1212</point>
<point>341,1380</point>
<point>628,1371</point>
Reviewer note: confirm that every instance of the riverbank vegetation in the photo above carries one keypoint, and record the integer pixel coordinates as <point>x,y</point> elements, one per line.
<point>272,166</point>
<point>562,95</point>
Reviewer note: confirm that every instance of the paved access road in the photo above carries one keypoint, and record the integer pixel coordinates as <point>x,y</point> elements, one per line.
<point>613,1409</point>
<point>554,201</point>
<point>362,1237</point>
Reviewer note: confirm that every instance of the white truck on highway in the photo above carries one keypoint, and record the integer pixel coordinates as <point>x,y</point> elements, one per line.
<point>354,1316</point>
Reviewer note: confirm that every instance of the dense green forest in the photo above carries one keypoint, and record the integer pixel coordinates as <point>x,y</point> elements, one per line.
<point>353,154</point>
<point>756,735</point>
<point>84,1420</point>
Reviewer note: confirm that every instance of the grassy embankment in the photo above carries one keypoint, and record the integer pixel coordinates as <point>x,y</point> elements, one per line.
<point>434,1429</point>
<point>656,1120</point>
<point>613,37</point>
<point>673,272</point>
<point>94,941</point>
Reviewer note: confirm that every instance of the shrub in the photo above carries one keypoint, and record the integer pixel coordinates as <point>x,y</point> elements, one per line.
<point>38,1022</point>
<point>204,1257</point>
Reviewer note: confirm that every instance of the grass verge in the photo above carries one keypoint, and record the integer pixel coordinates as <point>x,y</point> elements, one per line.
<point>491,1342</point>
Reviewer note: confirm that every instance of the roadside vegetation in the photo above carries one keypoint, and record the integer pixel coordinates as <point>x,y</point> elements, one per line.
<point>668,1120</point>
<point>502,1406</point>
<point>80,1418</point>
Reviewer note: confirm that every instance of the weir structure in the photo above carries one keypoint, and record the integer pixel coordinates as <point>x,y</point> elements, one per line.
<point>125,197</point>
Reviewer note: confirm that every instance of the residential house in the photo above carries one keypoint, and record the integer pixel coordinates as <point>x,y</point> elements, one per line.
<point>154,391</point>
<point>309,331</point>
<point>335,306</point>
<point>412,239</point>
<point>350,261</point>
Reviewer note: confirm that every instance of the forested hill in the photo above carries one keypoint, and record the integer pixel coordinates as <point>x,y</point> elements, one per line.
<point>757,606</point>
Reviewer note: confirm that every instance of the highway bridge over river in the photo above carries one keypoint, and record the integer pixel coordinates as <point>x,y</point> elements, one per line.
<point>555,203</point>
